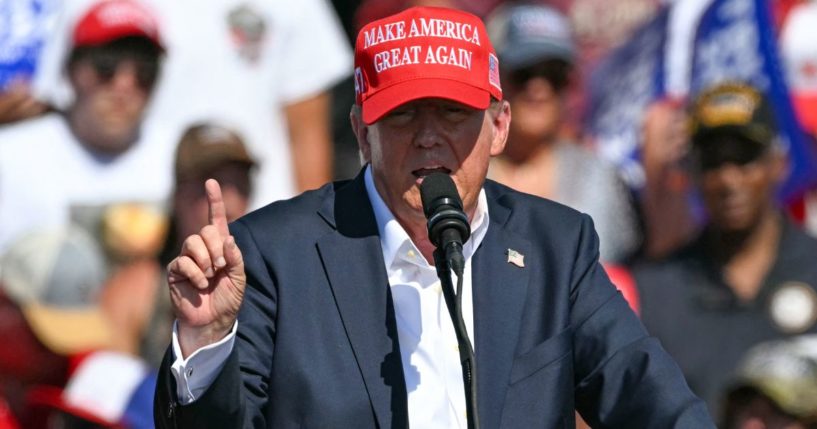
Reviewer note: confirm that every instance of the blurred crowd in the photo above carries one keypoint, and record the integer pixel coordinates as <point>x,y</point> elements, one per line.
<point>113,113</point>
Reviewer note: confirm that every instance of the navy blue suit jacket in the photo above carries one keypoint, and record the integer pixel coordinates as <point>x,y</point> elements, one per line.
<point>317,340</point>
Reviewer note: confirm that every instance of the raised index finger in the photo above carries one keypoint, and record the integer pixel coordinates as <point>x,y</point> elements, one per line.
<point>218,214</point>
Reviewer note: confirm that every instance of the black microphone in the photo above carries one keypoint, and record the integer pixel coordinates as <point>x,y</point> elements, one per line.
<point>448,230</point>
<point>448,227</point>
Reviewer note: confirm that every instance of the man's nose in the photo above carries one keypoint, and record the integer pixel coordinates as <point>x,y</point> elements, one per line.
<point>729,176</point>
<point>730,173</point>
<point>539,85</point>
<point>429,130</point>
<point>125,76</point>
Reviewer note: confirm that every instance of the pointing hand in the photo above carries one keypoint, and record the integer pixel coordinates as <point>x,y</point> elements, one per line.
<point>207,280</point>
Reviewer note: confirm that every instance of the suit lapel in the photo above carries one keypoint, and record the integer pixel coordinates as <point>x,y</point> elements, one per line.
<point>499,289</point>
<point>354,265</point>
<point>353,262</point>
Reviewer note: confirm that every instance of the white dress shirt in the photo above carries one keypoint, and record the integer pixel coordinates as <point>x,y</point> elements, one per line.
<point>428,343</point>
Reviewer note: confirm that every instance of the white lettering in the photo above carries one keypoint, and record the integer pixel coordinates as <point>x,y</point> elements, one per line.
<point>430,56</point>
<point>396,57</point>
<point>465,58</point>
<point>369,37</point>
<point>439,27</point>
<point>400,30</point>
<point>449,56</point>
<point>444,29</point>
<point>413,31</point>
<point>425,27</point>
<point>384,33</point>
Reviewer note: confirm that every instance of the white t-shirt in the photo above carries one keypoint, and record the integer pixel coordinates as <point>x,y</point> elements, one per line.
<point>47,177</point>
<point>237,62</point>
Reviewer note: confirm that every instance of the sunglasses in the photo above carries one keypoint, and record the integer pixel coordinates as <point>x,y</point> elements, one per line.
<point>555,72</point>
<point>106,65</point>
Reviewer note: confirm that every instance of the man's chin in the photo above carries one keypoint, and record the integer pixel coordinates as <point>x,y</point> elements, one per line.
<point>116,139</point>
<point>735,224</point>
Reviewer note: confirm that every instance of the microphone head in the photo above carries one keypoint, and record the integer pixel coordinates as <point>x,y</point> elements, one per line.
<point>436,186</point>
<point>442,206</point>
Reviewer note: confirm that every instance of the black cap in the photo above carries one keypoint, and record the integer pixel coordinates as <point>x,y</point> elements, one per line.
<point>732,109</point>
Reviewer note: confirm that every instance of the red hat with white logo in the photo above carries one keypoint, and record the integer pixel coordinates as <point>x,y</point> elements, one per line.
<point>424,52</point>
<point>110,20</point>
<point>799,54</point>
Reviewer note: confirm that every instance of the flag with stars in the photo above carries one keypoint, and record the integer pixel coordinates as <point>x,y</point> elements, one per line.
<point>493,71</point>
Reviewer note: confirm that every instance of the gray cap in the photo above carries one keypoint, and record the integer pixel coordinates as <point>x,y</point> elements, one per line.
<point>525,34</point>
<point>55,276</point>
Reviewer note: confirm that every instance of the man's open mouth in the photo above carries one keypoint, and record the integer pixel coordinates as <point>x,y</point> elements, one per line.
<point>423,172</point>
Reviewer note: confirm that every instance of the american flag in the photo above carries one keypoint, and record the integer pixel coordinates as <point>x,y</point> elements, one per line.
<point>516,258</point>
<point>493,71</point>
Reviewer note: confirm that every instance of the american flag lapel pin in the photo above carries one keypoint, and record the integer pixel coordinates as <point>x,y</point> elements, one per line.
<point>516,258</point>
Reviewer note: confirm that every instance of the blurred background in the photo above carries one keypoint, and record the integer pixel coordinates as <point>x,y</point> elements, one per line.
<point>687,129</point>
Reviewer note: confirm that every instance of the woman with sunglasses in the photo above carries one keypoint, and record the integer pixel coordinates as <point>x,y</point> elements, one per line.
<point>537,53</point>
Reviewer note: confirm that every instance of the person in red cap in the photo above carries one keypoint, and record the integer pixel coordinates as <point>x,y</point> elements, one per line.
<point>95,153</point>
<point>113,68</point>
<point>326,310</point>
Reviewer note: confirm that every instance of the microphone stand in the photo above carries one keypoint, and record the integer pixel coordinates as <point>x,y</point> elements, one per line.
<point>467,357</point>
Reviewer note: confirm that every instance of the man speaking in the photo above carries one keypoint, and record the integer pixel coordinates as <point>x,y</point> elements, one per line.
<point>327,310</point>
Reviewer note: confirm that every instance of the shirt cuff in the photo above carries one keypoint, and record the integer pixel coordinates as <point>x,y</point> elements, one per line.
<point>196,373</point>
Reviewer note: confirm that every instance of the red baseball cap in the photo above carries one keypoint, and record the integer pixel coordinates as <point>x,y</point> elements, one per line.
<point>799,55</point>
<point>109,20</point>
<point>424,52</point>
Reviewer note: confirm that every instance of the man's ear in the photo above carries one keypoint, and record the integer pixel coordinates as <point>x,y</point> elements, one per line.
<point>501,121</point>
<point>361,131</point>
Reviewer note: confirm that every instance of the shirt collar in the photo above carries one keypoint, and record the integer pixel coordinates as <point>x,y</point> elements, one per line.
<point>393,237</point>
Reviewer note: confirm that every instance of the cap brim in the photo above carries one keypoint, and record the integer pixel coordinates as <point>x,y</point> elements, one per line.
<point>520,55</point>
<point>211,159</point>
<point>385,100</point>
<point>120,33</point>
<point>706,135</point>
<point>789,395</point>
<point>66,332</point>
